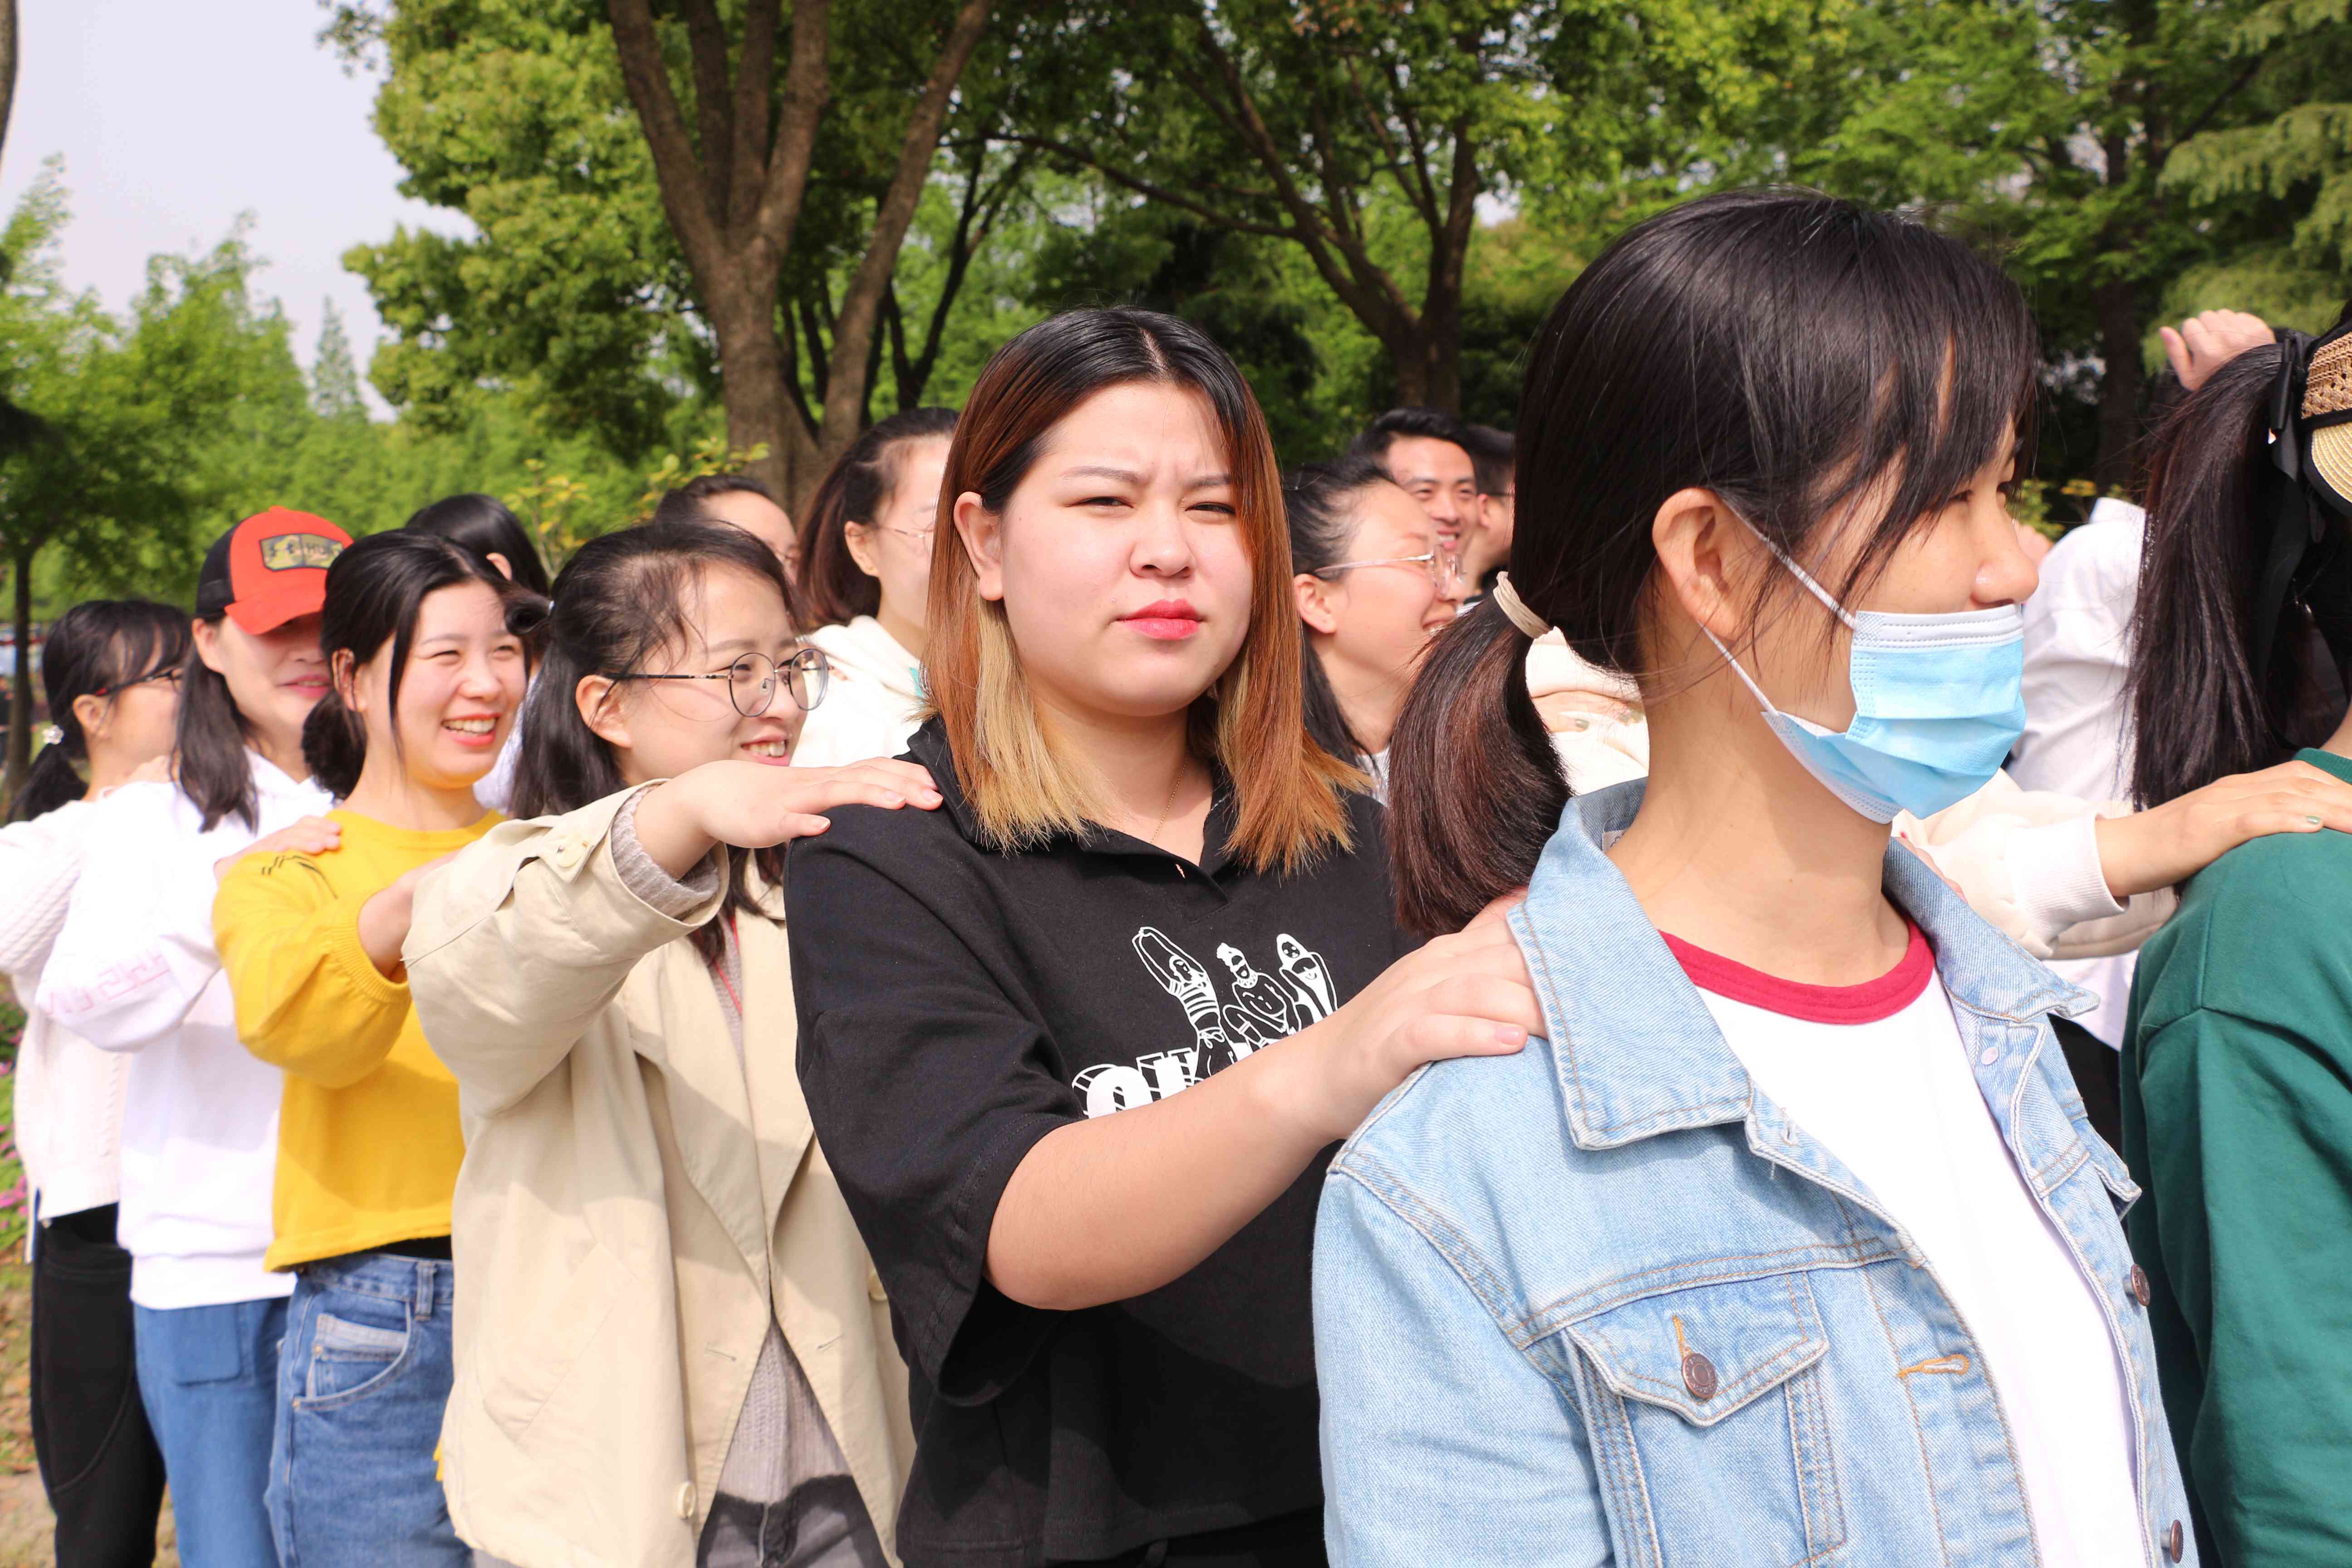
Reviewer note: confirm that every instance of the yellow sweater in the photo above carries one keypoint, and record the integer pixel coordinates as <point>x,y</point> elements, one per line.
<point>368,1146</point>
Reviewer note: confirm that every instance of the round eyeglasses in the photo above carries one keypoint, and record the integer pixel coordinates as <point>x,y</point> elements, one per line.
<point>752,679</point>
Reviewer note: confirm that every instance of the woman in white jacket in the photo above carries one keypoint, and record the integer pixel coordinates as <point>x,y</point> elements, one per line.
<point>867,549</point>
<point>134,970</point>
<point>110,669</point>
<point>671,1351</point>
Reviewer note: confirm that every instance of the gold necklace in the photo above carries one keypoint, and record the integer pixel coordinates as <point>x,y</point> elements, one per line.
<point>1167,810</point>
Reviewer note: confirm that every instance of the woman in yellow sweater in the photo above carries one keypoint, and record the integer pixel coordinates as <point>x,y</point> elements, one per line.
<point>428,671</point>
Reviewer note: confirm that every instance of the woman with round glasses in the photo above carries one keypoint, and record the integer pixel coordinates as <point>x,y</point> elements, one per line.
<point>867,542</point>
<point>609,983</point>
<point>1373,586</point>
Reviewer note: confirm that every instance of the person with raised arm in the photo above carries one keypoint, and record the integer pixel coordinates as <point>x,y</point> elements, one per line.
<point>670,1347</point>
<point>135,970</point>
<point>110,669</point>
<point>1078,1043</point>
<point>1788,1239</point>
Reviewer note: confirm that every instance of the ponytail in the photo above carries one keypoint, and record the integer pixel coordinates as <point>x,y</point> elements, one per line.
<point>334,744</point>
<point>49,782</point>
<point>1475,789</point>
<point>2245,592</point>
<point>1801,357</point>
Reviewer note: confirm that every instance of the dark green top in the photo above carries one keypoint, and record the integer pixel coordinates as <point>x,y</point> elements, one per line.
<point>2237,1099</point>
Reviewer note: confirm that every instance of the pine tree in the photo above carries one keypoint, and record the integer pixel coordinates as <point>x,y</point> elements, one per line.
<point>334,376</point>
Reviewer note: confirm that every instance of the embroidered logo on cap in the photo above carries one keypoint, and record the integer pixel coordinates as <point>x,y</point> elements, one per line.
<point>293,552</point>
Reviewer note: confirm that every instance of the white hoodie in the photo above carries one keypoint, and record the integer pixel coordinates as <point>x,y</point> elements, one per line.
<point>872,706</point>
<point>69,1094</point>
<point>134,970</point>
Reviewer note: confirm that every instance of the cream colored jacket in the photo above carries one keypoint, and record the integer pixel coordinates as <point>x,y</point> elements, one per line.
<point>633,1207</point>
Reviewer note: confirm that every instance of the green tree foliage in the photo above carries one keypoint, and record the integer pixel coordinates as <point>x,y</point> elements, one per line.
<point>649,189</point>
<point>108,469</point>
<point>2130,159</point>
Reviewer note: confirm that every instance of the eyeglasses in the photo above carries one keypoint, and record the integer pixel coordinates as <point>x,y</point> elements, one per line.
<point>1440,566</point>
<point>170,672</point>
<point>922,536</point>
<point>752,679</point>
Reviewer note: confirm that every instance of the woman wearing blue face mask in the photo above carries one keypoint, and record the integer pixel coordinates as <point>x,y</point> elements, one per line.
<point>1790,1242</point>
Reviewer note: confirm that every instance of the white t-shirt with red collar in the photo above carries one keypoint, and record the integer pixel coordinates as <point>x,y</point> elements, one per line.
<point>1876,1073</point>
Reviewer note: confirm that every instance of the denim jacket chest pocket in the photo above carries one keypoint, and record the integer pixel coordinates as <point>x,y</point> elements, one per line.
<point>1704,1408</point>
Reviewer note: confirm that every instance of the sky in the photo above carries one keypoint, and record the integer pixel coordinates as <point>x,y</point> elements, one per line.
<point>175,116</point>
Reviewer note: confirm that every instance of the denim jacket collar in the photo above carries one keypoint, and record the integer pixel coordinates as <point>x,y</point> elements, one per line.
<point>1643,1055</point>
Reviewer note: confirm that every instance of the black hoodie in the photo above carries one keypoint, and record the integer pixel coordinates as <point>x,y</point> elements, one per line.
<point>956,1005</point>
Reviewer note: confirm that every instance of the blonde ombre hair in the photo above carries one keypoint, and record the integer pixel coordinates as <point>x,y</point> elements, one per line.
<point>1287,790</point>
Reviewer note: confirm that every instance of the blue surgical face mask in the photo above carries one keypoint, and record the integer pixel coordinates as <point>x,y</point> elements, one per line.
<point>1938,701</point>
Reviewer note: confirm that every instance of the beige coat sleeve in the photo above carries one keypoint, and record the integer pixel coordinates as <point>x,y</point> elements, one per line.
<point>520,941</point>
<point>2028,860</point>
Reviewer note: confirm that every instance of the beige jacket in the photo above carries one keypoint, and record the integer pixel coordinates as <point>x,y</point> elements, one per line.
<point>633,1207</point>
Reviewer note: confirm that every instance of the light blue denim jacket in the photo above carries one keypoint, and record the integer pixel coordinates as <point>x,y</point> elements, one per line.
<point>1603,1303</point>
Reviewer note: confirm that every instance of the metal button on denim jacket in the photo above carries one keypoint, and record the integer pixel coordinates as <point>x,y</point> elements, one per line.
<point>1603,1303</point>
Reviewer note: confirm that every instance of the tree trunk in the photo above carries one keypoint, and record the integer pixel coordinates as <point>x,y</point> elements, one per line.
<point>8,64</point>
<point>751,370</point>
<point>2117,307</point>
<point>20,683</point>
<point>1441,352</point>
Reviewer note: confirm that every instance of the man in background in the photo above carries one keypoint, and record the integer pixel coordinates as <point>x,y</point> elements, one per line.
<point>1422,449</point>
<point>1486,547</point>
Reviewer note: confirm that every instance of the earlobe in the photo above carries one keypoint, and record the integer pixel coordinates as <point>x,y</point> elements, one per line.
<point>982,533</point>
<point>206,637</point>
<point>344,672</point>
<point>1700,558</point>
<point>90,712</point>
<point>593,698</point>
<point>1314,608</point>
<point>859,538</point>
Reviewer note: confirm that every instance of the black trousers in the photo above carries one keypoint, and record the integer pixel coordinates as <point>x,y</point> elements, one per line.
<point>98,1462</point>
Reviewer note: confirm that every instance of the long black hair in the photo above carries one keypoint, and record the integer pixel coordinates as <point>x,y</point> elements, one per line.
<point>859,489</point>
<point>483,525</point>
<point>373,592</point>
<point>94,649</point>
<point>1318,504</point>
<point>621,600</point>
<point>2244,617</point>
<point>1789,352</point>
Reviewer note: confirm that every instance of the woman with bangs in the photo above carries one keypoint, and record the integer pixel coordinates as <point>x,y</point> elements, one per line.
<point>1789,1241</point>
<point>670,1350</point>
<point>1079,1043</point>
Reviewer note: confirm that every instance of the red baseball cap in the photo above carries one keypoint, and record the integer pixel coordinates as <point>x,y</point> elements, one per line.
<point>269,569</point>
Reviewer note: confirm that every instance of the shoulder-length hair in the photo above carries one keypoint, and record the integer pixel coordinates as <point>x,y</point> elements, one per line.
<point>621,600</point>
<point>1287,789</point>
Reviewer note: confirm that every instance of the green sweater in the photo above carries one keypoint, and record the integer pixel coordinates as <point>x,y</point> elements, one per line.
<point>2237,1100</point>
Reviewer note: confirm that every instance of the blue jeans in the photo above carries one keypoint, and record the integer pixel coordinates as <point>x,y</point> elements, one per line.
<point>208,1378</point>
<point>362,1384</point>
